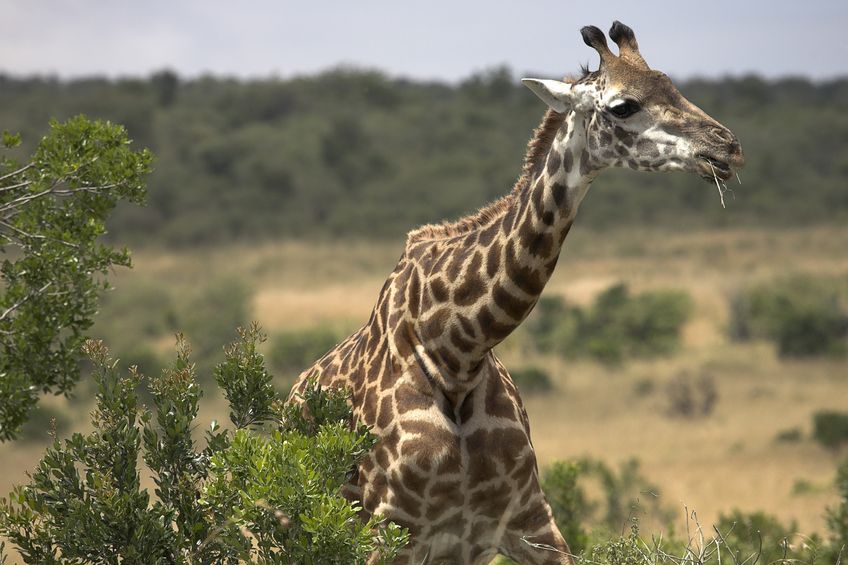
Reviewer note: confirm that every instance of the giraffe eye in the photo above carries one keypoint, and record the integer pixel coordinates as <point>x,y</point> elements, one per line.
<point>624,108</point>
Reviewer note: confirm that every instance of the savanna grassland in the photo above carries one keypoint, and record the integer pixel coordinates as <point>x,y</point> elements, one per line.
<point>727,459</point>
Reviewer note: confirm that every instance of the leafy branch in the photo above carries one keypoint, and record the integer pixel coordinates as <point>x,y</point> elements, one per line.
<point>53,211</point>
<point>268,492</point>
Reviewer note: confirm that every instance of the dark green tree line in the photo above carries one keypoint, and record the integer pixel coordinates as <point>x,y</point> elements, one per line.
<point>352,152</point>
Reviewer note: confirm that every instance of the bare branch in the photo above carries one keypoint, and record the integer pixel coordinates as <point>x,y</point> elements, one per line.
<point>92,189</point>
<point>21,200</point>
<point>15,186</point>
<point>20,302</point>
<point>23,233</point>
<point>25,199</point>
<point>15,173</point>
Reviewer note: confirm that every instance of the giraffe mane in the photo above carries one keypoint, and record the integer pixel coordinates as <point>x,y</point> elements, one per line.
<point>537,149</point>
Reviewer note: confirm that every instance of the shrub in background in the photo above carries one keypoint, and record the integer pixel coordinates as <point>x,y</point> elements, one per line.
<point>552,324</point>
<point>837,515</point>
<point>531,380</point>
<point>762,537</point>
<point>133,317</point>
<point>148,304</point>
<point>830,428</point>
<point>735,541</point>
<point>210,316</point>
<point>568,501</point>
<point>618,325</point>
<point>266,492</point>
<point>592,527</point>
<point>293,351</point>
<point>624,493</point>
<point>690,396</point>
<point>804,316</point>
<point>44,419</point>
<point>142,313</point>
<point>789,435</point>
<point>644,387</point>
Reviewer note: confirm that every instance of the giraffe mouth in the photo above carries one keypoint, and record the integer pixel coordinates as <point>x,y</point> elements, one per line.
<point>709,168</point>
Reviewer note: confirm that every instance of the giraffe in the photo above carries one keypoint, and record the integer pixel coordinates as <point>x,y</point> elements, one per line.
<point>454,462</point>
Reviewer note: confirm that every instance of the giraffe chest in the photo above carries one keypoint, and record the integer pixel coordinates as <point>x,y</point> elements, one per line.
<point>455,475</point>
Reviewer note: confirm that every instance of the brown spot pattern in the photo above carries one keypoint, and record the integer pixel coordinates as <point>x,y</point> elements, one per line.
<point>491,327</point>
<point>472,287</point>
<point>554,163</point>
<point>513,306</point>
<point>524,277</point>
<point>585,165</point>
<point>493,259</point>
<point>559,192</point>
<point>567,160</point>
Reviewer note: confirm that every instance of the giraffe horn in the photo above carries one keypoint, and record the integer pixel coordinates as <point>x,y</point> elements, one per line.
<point>595,38</point>
<point>628,49</point>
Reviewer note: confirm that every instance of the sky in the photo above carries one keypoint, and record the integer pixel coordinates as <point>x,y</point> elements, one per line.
<point>445,40</point>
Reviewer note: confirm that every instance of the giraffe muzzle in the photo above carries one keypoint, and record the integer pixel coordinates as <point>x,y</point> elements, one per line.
<point>710,167</point>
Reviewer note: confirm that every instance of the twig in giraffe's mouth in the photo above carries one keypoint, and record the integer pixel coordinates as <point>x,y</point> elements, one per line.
<point>722,188</point>
<point>710,168</point>
<point>722,167</point>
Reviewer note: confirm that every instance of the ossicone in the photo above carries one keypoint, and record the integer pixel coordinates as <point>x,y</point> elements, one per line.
<point>628,48</point>
<point>595,38</point>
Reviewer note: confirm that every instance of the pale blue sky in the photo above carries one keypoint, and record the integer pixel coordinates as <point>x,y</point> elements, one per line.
<point>437,39</point>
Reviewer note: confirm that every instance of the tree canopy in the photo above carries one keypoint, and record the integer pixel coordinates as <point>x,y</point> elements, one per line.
<point>52,212</point>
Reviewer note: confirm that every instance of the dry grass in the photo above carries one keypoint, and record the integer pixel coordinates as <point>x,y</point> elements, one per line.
<point>727,460</point>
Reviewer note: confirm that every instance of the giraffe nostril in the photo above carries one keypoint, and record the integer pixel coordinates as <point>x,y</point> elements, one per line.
<point>723,136</point>
<point>735,146</point>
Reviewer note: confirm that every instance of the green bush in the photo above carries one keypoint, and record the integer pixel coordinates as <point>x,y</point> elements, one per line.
<point>624,492</point>
<point>837,515</point>
<point>789,435</point>
<point>739,539</point>
<point>690,396</point>
<point>617,326</point>
<point>134,316</point>
<point>293,351</point>
<point>644,387</point>
<point>140,314</point>
<point>531,380</point>
<point>137,310</point>
<point>830,428</point>
<point>759,534</point>
<point>802,486</point>
<point>53,212</point>
<point>568,501</point>
<point>552,323</point>
<point>209,317</point>
<point>267,492</point>
<point>44,421</point>
<point>804,316</point>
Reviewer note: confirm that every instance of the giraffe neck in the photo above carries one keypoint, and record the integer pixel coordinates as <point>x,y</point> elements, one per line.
<point>533,232</point>
<point>467,292</point>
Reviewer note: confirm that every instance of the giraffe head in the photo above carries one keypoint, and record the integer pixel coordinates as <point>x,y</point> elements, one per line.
<point>635,117</point>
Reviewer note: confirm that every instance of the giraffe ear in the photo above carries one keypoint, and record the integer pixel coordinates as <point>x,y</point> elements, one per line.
<point>554,93</point>
<point>560,96</point>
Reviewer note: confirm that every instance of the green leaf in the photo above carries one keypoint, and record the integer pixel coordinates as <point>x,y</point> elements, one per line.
<point>11,140</point>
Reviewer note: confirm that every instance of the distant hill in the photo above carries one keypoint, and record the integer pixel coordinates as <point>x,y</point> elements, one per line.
<point>354,153</point>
